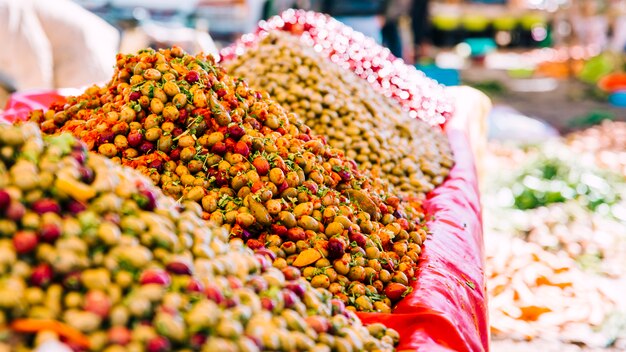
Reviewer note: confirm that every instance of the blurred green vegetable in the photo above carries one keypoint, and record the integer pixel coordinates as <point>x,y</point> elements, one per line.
<point>548,180</point>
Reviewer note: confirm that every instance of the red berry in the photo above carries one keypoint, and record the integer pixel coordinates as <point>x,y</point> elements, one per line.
<point>283,186</point>
<point>156,164</point>
<point>119,335</point>
<point>230,144</point>
<point>236,132</point>
<point>134,138</point>
<point>312,186</point>
<point>15,211</point>
<point>221,179</point>
<point>178,268</point>
<point>134,96</point>
<point>181,119</point>
<point>75,207</point>
<point>177,132</point>
<point>5,200</point>
<point>246,235</point>
<point>221,92</point>
<point>41,275</point>
<point>345,175</point>
<point>158,344</point>
<point>49,233</point>
<point>105,137</point>
<point>265,252</point>
<point>336,247</point>
<point>234,283</point>
<point>175,154</point>
<point>280,230</point>
<point>264,261</point>
<point>289,298</point>
<point>219,148</point>
<point>254,244</point>
<point>197,340</point>
<point>304,137</point>
<point>338,306</point>
<point>261,165</point>
<point>317,323</point>
<point>291,273</point>
<point>146,147</point>
<point>149,200</point>
<point>214,293</point>
<point>256,186</point>
<point>72,281</point>
<point>46,205</point>
<point>258,284</point>
<point>394,291</point>
<point>268,304</point>
<point>97,302</point>
<point>359,238</point>
<point>155,276</point>
<point>86,175</point>
<point>25,241</point>
<point>296,287</point>
<point>195,286</point>
<point>296,234</point>
<point>192,77</point>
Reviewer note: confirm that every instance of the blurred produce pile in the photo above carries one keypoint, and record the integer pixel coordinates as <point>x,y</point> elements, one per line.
<point>346,109</point>
<point>256,170</point>
<point>555,234</point>
<point>605,142</point>
<point>94,256</point>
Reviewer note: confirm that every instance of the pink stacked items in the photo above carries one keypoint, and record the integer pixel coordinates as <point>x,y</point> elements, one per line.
<point>422,96</point>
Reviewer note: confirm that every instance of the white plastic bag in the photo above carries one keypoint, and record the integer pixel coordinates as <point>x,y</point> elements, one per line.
<point>26,55</point>
<point>83,45</point>
<point>51,44</point>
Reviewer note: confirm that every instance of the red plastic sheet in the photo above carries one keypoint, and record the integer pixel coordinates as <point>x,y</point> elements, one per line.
<point>21,104</point>
<point>447,310</point>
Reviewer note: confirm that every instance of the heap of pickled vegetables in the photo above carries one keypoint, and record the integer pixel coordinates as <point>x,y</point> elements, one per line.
<point>92,255</point>
<point>206,137</point>
<point>371,128</point>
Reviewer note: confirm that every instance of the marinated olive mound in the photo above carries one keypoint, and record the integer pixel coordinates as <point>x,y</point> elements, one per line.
<point>369,127</point>
<point>204,136</point>
<point>93,255</point>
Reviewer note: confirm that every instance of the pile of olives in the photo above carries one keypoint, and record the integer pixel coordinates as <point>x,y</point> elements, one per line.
<point>349,112</point>
<point>92,255</point>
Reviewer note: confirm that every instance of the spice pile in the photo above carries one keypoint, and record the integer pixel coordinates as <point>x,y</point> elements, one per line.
<point>336,103</point>
<point>204,136</point>
<point>93,256</point>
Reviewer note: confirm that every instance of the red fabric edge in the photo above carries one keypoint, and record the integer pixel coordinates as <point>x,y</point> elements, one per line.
<point>447,309</point>
<point>22,103</point>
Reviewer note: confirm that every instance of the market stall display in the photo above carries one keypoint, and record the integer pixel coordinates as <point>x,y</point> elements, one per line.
<point>444,308</point>
<point>204,136</point>
<point>337,104</point>
<point>442,312</point>
<point>96,257</point>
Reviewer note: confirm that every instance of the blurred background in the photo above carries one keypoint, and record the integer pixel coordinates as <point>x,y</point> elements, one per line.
<point>553,173</point>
